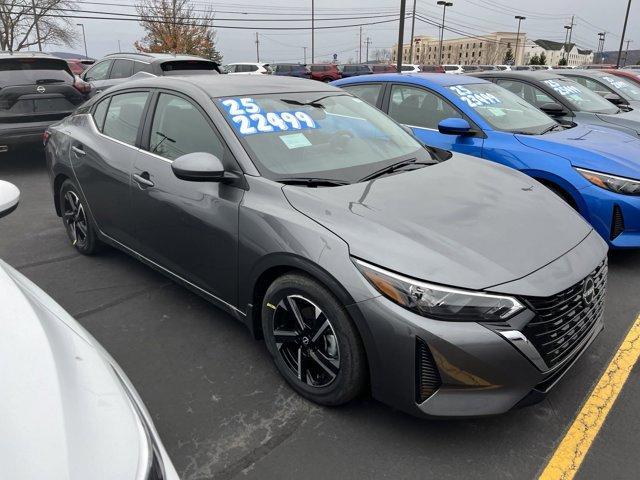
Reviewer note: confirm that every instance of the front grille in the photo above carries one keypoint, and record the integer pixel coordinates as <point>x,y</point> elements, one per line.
<point>617,222</point>
<point>563,320</point>
<point>427,376</point>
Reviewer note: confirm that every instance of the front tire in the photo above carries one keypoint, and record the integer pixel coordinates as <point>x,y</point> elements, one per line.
<point>75,218</point>
<point>313,342</point>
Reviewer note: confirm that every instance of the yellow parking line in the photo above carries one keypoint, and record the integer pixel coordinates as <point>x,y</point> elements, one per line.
<point>576,443</point>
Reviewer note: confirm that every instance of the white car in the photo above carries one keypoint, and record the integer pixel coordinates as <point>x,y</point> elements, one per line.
<point>411,68</point>
<point>248,69</point>
<point>69,411</point>
<point>453,69</point>
<point>504,68</point>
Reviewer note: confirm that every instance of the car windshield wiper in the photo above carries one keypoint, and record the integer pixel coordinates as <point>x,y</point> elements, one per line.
<point>393,167</point>
<point>521,132</point>
<point>312,181</point>
<point>312,103</point>
<point>551,128</point>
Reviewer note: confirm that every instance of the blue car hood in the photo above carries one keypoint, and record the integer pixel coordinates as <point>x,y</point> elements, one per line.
<point>592,147</point>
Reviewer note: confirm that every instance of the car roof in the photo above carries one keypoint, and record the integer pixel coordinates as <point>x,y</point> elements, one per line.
<point>585,73</point>
<point>5,54</point>
<point>230,85</point>
<point>154,57</point>
<point>535,75</point>
<point>441,79</point>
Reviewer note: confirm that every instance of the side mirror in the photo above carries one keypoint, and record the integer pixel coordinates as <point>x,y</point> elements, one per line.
<point>617,100</point>
<point>454,126</point>
<point>552,108</point>
<point>198,167</point>
<point>9,198</point>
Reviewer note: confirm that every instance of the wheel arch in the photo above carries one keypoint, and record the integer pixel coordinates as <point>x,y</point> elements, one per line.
<point>57,186</point>
<point>562,186</point>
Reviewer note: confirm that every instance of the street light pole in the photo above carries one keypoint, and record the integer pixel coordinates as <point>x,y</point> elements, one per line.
<point>624,31</point>
<point>84,38</point>
<point>515,57</point>
<point>444,11</point>
<point>400,49</point>
<point>413,27</point>
<point>313,27</point>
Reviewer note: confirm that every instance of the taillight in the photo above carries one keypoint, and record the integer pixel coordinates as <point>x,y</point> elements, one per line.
<point>45,137</point>
<point>81,85</point>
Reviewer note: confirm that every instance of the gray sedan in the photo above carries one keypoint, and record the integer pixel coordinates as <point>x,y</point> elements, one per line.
<point>69,411</point>
<point>445,285</point>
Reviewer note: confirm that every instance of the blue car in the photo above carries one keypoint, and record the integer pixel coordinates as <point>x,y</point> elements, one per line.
<point>595,169</point>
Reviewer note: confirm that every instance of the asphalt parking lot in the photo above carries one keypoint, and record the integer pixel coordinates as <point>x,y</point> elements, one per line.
<point>224,412</point>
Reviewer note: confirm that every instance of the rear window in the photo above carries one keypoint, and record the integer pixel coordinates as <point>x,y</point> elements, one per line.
<point>28,71</point>
<point>177,67</point>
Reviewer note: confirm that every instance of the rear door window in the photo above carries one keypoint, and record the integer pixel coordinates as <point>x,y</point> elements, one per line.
<point>100,112</point>
<point>122,121</point>
<point>98,72</point>
<point>29,71</point>
<point>370,92</point>
<point>122,69</point>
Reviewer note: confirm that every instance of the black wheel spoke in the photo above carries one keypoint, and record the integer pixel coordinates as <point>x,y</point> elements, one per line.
<point>322,327</point>
<point>82,228</point>
<point>284,336</point>
<point>330,365</point>
<point>302,366</point>
<point>293,306</point>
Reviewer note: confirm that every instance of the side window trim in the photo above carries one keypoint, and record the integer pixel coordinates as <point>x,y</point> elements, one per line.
<point>107,102</point>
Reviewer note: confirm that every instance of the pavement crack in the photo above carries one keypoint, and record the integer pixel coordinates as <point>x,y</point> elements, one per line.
<point>117,301</point>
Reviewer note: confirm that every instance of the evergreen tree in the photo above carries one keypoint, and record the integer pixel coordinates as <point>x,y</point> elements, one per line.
<point>535,60</point>
<point>508,57</point>
<point>542,59</point>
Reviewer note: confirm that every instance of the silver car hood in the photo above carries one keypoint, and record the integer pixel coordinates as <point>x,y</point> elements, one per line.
<point>465,222</point>
<point>65,411</point>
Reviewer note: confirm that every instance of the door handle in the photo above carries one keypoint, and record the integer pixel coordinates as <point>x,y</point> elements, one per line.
<point>78,150</point>
<point>143,179</point>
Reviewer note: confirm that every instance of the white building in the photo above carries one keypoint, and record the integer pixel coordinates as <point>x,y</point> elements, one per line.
<point>555,51</point>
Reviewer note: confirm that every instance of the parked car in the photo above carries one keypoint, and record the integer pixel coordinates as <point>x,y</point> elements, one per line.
<point>453,69</point>
<point>628,67</point>
<point>617,90</point>
<point>79,65</point>
<point>522,67</point>
<point>70,411</point>
<point>566,100</point>
<point>117,68</point>
<point>432,68</point>
<point>596,170</point>
<point>470,68</point>
<point>410,68</point>
<point>325,72</point>
<point>35,90</point>
<point>632,76</point>
<point>597,66</point>
<point>353,70</point>
<point>286,204</point>
<point>383,68</point>
<point>292,70</point>
<point>248,69</point>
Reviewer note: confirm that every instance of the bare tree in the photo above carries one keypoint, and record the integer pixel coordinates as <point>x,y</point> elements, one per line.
<point>175,26</point>
<point>25,23</point>
<point>382,55</point>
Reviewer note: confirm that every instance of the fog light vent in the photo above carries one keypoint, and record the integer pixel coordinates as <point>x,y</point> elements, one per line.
<point>617,222</point>
<point>427,376</point>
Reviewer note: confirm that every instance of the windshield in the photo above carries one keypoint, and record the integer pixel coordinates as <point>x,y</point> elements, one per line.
<point>580,97</point>
<point>318,134</point>
<point>502,109</point>
<point>627,90</point>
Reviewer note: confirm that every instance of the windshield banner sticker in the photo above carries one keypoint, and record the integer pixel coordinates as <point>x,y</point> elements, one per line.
<point>570,91</point>
<point>474,99</point>
<point>621,84</point>
<point>248,118</point>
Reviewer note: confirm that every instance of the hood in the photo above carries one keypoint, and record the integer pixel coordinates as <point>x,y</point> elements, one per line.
<point>465,222</point>
<point>592,147</point>
<point>624,119</point>
<point>65,413</point>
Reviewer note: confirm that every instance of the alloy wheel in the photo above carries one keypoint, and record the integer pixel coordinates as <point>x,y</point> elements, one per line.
<point>75,218</point>
<point>306,341</point>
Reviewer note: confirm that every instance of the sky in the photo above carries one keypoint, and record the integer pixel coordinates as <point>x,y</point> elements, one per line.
<point>545,19</point>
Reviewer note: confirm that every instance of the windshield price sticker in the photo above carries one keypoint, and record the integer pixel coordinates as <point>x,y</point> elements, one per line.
<point>474,99</point>
<point>621,84</point>
<point>248,118</point>
<point>564,90</point>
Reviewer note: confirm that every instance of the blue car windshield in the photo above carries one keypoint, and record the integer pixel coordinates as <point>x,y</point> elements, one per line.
<point>318,134</point>
<point>502,109</point>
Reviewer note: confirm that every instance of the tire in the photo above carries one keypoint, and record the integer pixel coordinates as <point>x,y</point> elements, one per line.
<point>329,338</point>
<point>76,220</point>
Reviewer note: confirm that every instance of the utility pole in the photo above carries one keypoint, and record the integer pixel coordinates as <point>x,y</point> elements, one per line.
<point>84,38</point>
<point>570,34</point>
<point>515,56</point>
<point>624,31</point>
<point>413,26</point>
<point>601,40</point>
<point>119,49</point>
<point>626,53</point>
<point>304,49</point>
<point>175,28</point>
<point>444,11</point>
<point>360,46</point>
<point>399,50</point>
<point>258,48</point>
<point>35,20</point>
<point>368,42</point>
<point>313,27</point>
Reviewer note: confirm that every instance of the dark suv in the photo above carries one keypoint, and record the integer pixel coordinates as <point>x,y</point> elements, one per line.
<point>325,72</point>
<point>353,70</point>
<point>119,67</point>
<point>35,90</point>
<point>291,70</point>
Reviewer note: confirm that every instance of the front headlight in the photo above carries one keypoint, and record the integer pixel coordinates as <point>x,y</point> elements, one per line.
<point>622,185</point>
<point>442,303</point>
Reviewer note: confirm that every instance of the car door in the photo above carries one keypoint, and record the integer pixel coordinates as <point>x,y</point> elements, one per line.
<point>188,228</point>
<point>422,110</point>
<point>98,76</point>
<point>103,153</point>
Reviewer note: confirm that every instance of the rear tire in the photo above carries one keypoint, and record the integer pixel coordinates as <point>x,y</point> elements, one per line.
<point>76,220</point>
<point>313,342</point>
